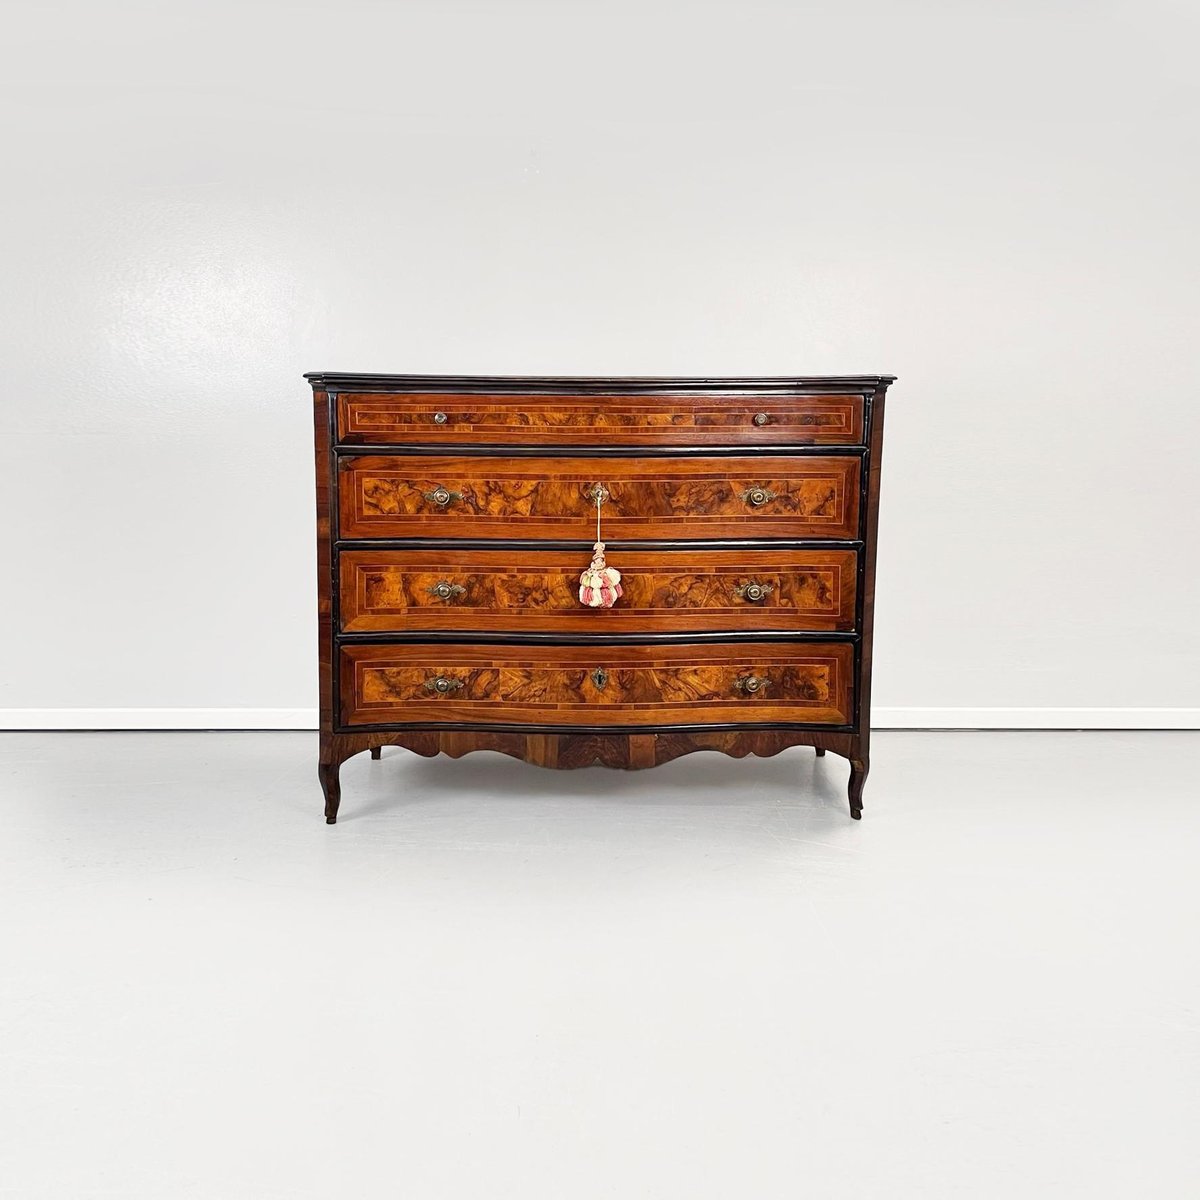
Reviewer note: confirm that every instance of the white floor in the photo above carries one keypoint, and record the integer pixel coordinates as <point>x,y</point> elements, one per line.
<point>489,980</point>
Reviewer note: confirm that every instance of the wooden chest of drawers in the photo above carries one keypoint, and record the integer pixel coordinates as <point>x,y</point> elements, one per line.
<point>455,514</point>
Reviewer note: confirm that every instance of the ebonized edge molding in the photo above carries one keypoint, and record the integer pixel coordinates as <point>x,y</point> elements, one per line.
<point>698,546</point>
<point>531,638</point>
<point>350,381</point>
<point>488,450</point>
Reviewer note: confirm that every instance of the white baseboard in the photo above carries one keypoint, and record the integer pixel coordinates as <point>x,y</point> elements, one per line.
<point>158,718</point>
<point>1035,718</point>
<point>882,718</point>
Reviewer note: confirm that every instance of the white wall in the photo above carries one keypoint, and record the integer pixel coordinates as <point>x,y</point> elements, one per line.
<point>996,202</point>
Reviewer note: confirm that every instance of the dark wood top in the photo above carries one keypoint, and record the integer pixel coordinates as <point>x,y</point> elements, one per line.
<point>340,381</point>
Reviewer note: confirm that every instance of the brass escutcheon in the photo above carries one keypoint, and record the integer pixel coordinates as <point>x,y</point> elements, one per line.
<point>600,677</point>
<point>750,684</point>
<point>597,493</point>
<point>754,591</point>
<point>441,495</point>
<point>757,495</point>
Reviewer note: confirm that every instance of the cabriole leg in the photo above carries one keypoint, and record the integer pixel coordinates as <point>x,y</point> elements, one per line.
<point>331,786</point>
<point>376,751</point>
<point>858,776</point>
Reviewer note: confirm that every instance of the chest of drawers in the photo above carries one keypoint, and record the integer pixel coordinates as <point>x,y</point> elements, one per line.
<point>455,514</point>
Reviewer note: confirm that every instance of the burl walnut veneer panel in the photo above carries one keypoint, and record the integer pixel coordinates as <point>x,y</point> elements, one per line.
<point>679,590</point>
<point>754,683</point>
<point>615,419</point>
<point>697,497</point>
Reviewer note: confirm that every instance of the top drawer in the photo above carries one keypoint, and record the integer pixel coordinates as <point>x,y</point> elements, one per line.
<point>366,418</point>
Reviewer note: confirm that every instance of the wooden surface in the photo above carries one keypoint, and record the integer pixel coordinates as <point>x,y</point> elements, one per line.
<point>389,496</point>
<point>558,685</point>
<point>325,579</point>
<point>545,420</point>
<point>860,759</point>
<point>532,590</point>
<point>625,751</point>
<point>519,692</point>
<point>590,385</point>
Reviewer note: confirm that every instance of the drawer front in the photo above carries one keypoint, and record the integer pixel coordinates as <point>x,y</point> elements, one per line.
<point>601,420</point>
<point>509,590</point>
<point>753,683</point>
<point>768,496</point>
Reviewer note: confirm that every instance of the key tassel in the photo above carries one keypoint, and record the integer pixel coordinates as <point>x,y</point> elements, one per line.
<point>600,584</point>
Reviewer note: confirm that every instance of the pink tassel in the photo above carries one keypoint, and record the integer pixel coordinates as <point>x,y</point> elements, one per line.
<point>600,584</point>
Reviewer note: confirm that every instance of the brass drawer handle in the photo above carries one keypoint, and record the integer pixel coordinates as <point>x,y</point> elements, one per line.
<point>757,496</point>
<point>761,419</point>
<point>750,684</point>
<point>445,590</point>
<point>440,418</point>
<point>754,591</point>
<point>600,677</point>
<point>441,495</point>
<point>442,685</point>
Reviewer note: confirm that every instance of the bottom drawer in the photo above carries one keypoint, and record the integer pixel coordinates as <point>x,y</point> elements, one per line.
<point>748,683</point>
